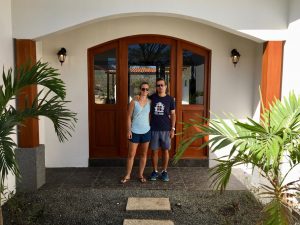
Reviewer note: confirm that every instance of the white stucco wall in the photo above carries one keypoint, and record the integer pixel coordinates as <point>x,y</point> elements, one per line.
<point>291,69</point>
<point>294,11</point>
<point>6,55</point>
<point>35,18</point>
<point>232,87</point>
<point>6,41</point>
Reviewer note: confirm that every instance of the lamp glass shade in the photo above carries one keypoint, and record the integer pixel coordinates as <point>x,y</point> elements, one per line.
<point>235,59</point>
<point>235,55</point>
<point>61,58</point>
<point>61,55</point>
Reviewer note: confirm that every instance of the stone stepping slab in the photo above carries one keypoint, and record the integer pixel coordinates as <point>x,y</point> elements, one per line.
<point>148,204</point>
<point>147,222</point>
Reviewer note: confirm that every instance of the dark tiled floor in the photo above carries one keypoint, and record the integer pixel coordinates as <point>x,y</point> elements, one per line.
<point>181,178</point>
<point>95,196</point>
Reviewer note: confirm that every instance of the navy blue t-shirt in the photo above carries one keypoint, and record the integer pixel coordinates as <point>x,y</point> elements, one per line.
<point>160,112</point>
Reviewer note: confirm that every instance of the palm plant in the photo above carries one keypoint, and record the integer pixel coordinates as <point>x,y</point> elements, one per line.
<point>268,146</point>
<point>49,102</point>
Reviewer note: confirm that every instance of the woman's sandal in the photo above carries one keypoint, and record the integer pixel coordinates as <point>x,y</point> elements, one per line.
<point>124,180</point>
<point>142,179</point>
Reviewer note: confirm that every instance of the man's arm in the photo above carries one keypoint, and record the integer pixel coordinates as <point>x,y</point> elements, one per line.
<point>137,97</point>
<point>173,121</point>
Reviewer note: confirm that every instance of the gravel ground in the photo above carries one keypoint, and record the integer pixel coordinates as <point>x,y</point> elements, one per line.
<point>91,206</point>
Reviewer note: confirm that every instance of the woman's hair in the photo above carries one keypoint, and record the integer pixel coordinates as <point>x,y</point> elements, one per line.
<point>143,83</point>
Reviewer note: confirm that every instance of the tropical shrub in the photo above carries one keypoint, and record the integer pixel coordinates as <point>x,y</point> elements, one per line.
<point>267,146</point>
<point>49,102</point>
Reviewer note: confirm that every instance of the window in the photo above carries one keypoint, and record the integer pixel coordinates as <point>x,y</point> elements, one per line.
<point>147,62</point>
<point>105,77</point>
<point>192,78</point>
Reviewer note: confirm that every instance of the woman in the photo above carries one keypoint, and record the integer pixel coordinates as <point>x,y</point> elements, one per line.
<point>138,132</point>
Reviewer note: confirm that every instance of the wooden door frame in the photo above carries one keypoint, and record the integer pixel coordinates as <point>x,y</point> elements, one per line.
<point>122,76</point>
<point>93,150</point>
<point>181,45</point>
<point>139,39</point>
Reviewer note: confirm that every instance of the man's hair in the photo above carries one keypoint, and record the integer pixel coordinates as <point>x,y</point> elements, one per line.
<point>161,79</point>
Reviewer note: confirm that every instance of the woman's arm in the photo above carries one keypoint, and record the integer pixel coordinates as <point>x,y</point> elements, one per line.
<point>129,118</point>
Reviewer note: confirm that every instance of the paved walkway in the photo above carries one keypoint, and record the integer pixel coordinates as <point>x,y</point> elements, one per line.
<point>181,178</point>
<point>187,179</point>
<point>95,196</point>
<point>148,204</point>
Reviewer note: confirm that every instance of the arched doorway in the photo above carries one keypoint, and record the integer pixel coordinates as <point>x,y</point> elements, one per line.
<point>115,70</point>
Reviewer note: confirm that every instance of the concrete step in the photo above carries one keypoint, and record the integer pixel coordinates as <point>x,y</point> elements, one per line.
<point>147,222</point>
<point>148,204</point>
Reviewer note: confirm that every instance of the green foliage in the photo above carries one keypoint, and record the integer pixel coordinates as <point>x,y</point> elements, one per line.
<point>17,205</point>
<point>276,213</point>
<point>265,145</point>
<point>49,102</point>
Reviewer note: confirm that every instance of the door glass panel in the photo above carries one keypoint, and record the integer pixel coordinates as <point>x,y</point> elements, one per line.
<point>147,62</point>
<point>105,77</point>
<point>192,78</point>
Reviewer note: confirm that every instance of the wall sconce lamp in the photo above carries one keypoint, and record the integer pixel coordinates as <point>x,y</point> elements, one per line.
<point>235,56</point>
<point>61,55</point>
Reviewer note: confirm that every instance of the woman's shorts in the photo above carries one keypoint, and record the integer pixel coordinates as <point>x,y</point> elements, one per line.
<point>140,138</point>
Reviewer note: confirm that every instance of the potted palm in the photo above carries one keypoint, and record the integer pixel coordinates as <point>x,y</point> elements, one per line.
<point>267,146</point>
<point>49,102</point>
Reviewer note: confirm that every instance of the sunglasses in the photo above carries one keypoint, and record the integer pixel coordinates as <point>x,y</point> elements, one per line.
<point>144,89</point>
<point>160,85</point>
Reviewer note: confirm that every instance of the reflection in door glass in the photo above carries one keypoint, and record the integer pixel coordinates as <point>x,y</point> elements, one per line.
<point>192,78</point>
<point>105,77</point>
<point>147,62</point>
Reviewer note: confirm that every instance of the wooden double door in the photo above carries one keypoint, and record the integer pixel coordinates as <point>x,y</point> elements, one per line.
<point>115,71</point>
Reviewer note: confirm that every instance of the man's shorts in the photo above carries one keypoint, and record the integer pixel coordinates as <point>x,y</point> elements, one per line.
<point>141,138</point>
<point>160,139</point>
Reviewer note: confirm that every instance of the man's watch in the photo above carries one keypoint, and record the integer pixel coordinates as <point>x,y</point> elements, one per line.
<point>173,128</point>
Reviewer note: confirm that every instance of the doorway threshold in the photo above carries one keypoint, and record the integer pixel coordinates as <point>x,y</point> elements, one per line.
<point>121,162</point>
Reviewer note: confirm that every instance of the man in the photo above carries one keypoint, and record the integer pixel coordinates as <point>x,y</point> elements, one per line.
<point>162,128</point>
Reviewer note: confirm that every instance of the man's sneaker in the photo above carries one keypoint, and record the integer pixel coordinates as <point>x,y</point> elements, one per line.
<point>164,176</point>
<point>153,176</point>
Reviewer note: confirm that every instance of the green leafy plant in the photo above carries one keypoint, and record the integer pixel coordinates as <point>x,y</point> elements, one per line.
<point>267,146</point>
<point>17,205</point>
<point>49,102</point>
